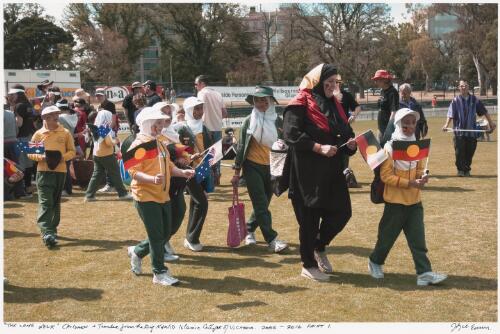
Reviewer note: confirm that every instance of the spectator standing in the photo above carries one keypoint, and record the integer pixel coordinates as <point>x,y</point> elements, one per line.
<point>388,103</point>
<point>150,91</point>
<point>173,95</point>
<point>408,101</point>
<point>213,113</point>
<point>128,103</point>
<point>68,119</point>
<point>463,110</point>
<point>25,121</point>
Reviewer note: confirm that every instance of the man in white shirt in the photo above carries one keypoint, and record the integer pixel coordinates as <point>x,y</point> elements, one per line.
<point>213,113</point>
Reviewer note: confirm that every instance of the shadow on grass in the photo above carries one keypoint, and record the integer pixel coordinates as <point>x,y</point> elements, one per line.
<point>408,282</point>
<point>100,245</point>
<point>234,285</point>
<point>10,205</point>
<point>18,294</point>
<point>7,234</point>
<point>234,306</point>
<point>12,215</point>
<point>354,250</point>
<point>226,263</point>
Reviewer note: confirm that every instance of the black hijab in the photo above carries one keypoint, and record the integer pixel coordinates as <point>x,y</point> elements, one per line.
<point>328,106</point>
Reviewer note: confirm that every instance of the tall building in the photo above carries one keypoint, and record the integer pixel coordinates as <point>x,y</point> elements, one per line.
<point>441,24</point>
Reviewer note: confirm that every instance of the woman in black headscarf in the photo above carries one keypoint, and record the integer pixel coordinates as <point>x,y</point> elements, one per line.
<point>315,127</point>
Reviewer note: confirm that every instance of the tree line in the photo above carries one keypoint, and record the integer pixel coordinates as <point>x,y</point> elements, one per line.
<point>105,40</point>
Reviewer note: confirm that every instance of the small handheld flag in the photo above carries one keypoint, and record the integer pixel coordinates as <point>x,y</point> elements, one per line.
<point>9,167</point>
<point>140,153</point>
<point>410,150</point>
<point>370,149</point>
<point>203,172</point>
<point>31,147</point>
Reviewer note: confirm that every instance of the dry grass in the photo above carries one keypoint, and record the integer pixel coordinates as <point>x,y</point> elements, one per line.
<point>89,279</point>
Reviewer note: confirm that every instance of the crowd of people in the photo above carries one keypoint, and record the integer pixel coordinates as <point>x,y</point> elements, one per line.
<point>316,127</point>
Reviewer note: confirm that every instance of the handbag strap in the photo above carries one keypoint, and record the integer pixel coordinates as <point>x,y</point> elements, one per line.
<point>235,196</point>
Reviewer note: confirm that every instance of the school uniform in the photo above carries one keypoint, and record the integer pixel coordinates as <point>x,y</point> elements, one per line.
<point>152,202</point>
<point>403,211</point>
<point>253,158</point>
<point>50,182</point>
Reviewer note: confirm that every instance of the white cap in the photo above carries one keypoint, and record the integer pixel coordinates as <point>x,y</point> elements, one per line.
<point>401,113</point>
<point>191,102</point>
<point>160,105</point>
<point>100,91</point>
<point>50,110</point>
<point>14,91</point>
<point>149,113</point>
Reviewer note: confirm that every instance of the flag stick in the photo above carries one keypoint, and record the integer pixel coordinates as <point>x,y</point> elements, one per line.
<point>344,144</point>
<point>463,130</point>
<point>162,172</point>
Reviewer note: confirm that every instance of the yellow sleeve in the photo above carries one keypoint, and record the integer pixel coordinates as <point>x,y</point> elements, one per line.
<point>388,176</point>
<point>70,148</point>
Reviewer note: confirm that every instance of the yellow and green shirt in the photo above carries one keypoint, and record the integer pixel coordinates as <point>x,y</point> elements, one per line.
<point>54,140</point>
<point>149,192</point>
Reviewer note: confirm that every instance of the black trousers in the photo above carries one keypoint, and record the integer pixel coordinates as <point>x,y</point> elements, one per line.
<point>198,209</point>
<point>465,147</point>
<point>317,228</point>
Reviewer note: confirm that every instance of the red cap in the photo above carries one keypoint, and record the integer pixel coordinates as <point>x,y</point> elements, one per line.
<point>382,74</point>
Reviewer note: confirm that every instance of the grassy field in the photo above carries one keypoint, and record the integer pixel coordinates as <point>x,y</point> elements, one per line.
<point>88,277</point>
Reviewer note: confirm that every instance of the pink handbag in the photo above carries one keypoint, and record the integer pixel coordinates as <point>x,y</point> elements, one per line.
<point>237,229</point>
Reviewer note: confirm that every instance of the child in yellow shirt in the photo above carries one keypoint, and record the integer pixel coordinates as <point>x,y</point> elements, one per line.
<point>51,172</point>
<point>403,208</point>
<point>150,190</point>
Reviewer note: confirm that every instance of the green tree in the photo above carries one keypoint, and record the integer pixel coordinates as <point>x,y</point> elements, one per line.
<point>202,38</point>
<point>34,42</point>
<point>112,37</point>
<point>475,37</point>
<point>348,35</point>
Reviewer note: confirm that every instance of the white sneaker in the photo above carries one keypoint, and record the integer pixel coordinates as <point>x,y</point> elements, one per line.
<point>375,270</point>
<point>168,248</point>
<point>64,193</point>
<point>193,247</point>
<point>315,274</point>
<point>135,261</point>
<point>278,245</point>
<point>106,189</point>
<point>169,253</point>
<point>126,197</point>
<point>89,199</point>
<point>323,264</point>
<point>430,278</point>
<point>165,279</point>
<point>250,239</point>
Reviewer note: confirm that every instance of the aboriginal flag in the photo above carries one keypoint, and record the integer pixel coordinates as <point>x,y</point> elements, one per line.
<point>9,167</point>
<point>140,153</point>
<point>410,150</point>
<point>370,149</point>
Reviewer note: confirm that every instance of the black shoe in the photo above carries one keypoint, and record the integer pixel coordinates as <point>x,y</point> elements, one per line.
<point>467,173</point>
<point>461,173</point>
<point>49,240</point>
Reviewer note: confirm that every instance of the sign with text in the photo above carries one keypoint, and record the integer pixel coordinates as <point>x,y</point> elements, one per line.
<point>240,93</point>
<point>116,93</point>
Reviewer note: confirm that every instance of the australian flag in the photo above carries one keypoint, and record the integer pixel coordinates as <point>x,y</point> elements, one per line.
<point>203,173</point>
<point>30,147</point>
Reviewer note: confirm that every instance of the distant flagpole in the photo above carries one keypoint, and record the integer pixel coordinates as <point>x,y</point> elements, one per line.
<point>162,172</point>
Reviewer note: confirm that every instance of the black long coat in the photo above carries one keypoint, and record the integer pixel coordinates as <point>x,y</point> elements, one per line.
<point>314,179</point>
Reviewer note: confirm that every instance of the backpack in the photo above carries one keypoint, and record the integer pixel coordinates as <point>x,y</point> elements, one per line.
<point>377,188</point>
